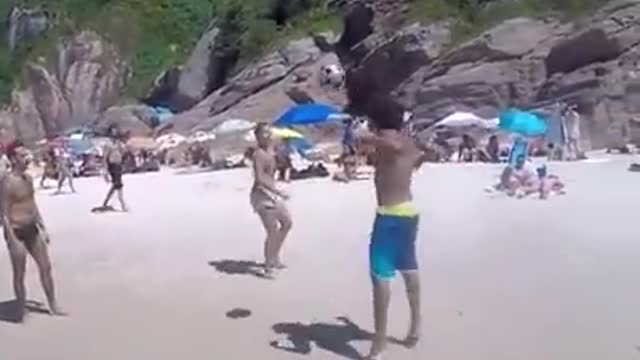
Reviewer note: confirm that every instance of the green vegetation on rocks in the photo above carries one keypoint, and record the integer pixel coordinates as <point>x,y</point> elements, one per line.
<point>153,35</point>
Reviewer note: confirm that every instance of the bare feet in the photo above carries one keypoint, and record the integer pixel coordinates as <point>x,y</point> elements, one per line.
<point>54,310</point>
<point>268,273</point>
<point>377,348</point>
<point>411,341</point>
<point>279,265</point>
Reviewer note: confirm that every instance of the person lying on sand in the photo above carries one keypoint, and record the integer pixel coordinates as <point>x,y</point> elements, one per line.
<point>24,230</point>
<point>393,239</point>
<point>268,201</point>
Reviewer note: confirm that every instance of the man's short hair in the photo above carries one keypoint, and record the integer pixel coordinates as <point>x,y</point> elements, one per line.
<point>12,147</point>
<point>262,126</point>
<point>385,113</point>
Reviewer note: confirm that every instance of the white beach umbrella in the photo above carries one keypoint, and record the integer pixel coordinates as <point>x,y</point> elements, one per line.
<point>462,119</point>
<point>233,126</point>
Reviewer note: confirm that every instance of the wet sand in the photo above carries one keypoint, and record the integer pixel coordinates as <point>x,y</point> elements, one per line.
<point>503,279</point>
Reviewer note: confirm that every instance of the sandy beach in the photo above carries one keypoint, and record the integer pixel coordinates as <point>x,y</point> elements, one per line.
<point>503,279</point>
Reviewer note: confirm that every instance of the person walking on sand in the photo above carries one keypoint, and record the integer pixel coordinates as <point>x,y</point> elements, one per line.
<point>395,228</point>
<point>24,229</point>
<point>113,158</point>
<point>268,201</point>
<point>64,165</point>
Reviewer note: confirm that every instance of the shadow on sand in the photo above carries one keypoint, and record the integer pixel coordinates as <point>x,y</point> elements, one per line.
<point>334,338</point>
<point>238,267</point>
<point>194,171</point>
<point>238,313</point>
<point>10,312</point>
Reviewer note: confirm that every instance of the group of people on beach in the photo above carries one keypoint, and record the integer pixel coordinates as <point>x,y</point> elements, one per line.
<point>24,228</point>
<point>393,239</point>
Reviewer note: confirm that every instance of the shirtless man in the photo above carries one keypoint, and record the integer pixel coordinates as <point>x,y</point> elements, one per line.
<point>64,172</point>
<point>24,230</point>
<point>268,201</point>
<point>113,156</point>
<point>395,228</point>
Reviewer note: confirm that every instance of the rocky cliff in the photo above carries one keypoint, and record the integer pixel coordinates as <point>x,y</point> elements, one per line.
<point>521,62</point>
<point>526,62</point>
<point>81,82</point>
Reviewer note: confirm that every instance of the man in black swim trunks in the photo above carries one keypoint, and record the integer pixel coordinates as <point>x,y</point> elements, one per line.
<point>24,230</point>
<point>113,156</point>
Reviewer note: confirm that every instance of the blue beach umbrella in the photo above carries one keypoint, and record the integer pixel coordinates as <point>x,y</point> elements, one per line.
<point>307,114</point>
<point>522,123</point>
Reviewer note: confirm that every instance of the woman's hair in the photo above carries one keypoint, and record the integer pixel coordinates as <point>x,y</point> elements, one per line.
<point>385,113</point>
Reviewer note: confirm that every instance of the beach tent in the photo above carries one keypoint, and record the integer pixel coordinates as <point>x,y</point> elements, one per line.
<point>163,114</point>
<point>308,114</point>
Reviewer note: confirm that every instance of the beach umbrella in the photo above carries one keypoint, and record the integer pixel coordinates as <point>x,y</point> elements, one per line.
<point>462,119</point>
<point>201,136</point>
<point>233,126</point>
<point>142,143</point>
<point>80,146</point>
<point>285,133</point>
<point>308,114</point>
<point>522,123</point>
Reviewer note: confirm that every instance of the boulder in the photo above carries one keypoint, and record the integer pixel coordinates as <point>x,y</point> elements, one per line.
<point>206,70</point>
<point>90,75</point>
<point>86,80</point>
<point>135,119</point>
<point>512,39</point>
<point>7,128</point>
<point>24,24</point>
<point>265,73</point>
<point>26,117</point>
<point>611,33</point>
<point>49,99</point>
<point>393,61</point>
<point>269,103</point>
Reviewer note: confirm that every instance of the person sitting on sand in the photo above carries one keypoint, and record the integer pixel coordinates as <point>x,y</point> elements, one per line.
<point>467,149</point>
<point>493,150</point>
<point>24,229</point>
<point>284,165</point>
<point>523,180</point>
<point>268,201</point>
<point>393,239</point>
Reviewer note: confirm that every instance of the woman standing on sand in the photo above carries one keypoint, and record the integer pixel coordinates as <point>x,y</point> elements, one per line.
<point>268,201</point>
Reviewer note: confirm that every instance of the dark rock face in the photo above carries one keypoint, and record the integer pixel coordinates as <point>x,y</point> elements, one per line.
<point>206,70</point>
<point>264,89</point>
<point>24,24</point>
<point>521,62</point>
